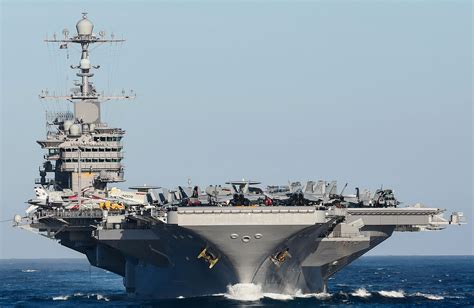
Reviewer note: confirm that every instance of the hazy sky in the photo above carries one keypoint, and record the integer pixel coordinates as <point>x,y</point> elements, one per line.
<point>365,92</point>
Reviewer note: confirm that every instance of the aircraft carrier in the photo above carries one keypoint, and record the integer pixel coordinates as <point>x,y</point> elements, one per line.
<point>190,240</point>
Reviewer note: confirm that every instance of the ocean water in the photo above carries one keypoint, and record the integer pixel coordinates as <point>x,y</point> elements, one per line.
<point>392,281</point>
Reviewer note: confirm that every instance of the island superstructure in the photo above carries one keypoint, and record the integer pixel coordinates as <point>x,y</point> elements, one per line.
<point>189,240</point>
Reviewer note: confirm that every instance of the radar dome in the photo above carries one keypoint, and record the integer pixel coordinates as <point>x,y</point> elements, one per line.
<point>85,64</point>
<point>84,26</point>
<point>75,130</point>
<point>67,125</point>
<point>17,219</point>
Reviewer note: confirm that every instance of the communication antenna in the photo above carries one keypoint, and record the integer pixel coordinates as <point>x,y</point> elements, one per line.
<point>85,94</point>
<point>66,33</point>
<point>344,188</point>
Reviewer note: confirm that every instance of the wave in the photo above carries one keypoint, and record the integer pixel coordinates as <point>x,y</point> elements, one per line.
<point>362,292</point>
<point>61,298</point>
<point>432,297</point>
<point>454,296</point>
<point>278,296</point>
<point>29,270</point>
<point>98,297</point>
<point>401,294</point>
<point>392,294</point>
<point>321,296</point>
<point>253,292</point>
<point>102,297</point>
<point>341,285</point>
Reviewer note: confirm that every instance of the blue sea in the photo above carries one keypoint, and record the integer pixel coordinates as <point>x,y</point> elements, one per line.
<point>387,281</point>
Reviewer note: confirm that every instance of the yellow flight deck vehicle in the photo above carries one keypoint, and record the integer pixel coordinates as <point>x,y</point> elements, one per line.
<point>280,257</point>
<point>109,206</point>
<point>209,257</point>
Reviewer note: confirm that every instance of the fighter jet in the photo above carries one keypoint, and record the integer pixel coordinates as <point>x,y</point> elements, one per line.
<point>312,193</point>
<point>219,195</point>
<point>46,198</point>
<point>192,196</point>
<point>143,196</point>
<point>238,193</point>
<point>385,198</point>
<point>244,194</point>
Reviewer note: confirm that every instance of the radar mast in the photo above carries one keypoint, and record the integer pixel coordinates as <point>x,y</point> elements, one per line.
<point>83,152</point>
<point>86,99</point>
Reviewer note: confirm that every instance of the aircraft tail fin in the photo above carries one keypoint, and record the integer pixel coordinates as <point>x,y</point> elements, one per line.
<point>183,193</point>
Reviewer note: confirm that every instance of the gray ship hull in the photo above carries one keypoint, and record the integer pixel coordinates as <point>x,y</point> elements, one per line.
<point>161,261</point>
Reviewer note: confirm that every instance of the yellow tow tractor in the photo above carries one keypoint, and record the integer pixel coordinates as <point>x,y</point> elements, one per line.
<point>111,206</point>
<point>209,257</point>
<point>280,257</point>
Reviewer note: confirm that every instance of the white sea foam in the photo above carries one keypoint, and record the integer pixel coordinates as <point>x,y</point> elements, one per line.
<point>218,294</point>
<point>102,297</point>
<point>61,298</point>
<point>278,296</point>
<point>98,297</point>
<point>393,294</point>
<point>341,285</point>
<point>321,296</point>
<point>253,292</point>
<point>29,270</point>
<point>361,293</point>
<point>244,292</point>
<point>454,296</point>
<point>432,297</point>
